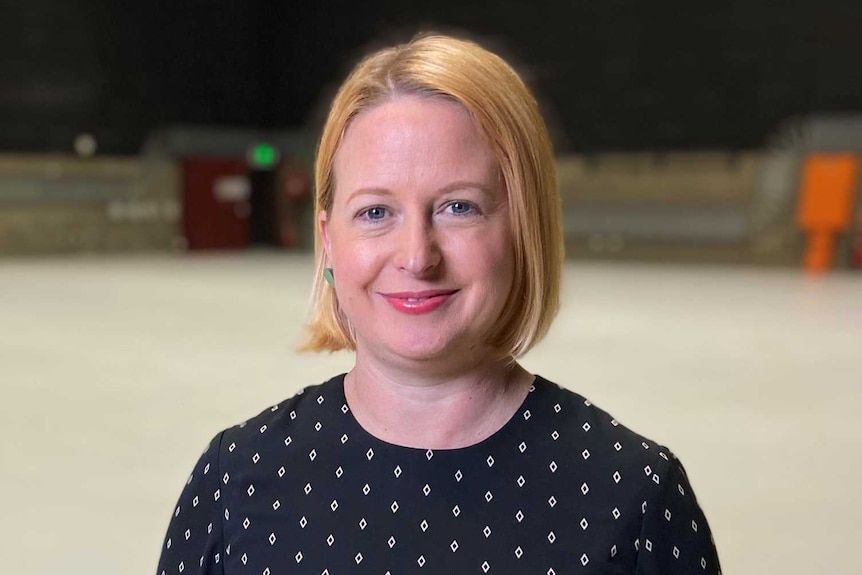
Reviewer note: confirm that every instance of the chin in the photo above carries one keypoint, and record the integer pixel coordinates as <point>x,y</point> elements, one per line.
<point>408,344</point>
<point>429,347</point>
<point>421,351</point>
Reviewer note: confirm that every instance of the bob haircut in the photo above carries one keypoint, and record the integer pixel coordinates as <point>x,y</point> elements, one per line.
<point>508,118</point>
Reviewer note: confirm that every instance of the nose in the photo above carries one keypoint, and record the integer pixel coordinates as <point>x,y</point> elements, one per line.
<point>417,249</point>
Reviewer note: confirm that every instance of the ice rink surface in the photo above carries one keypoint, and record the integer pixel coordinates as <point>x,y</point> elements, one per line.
<point>116,371</point>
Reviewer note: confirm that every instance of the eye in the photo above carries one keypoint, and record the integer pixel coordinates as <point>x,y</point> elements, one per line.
<point>460,208</point>
<point>373,213</point>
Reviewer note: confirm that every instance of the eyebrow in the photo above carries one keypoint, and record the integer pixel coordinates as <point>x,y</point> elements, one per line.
<point>448,188</point>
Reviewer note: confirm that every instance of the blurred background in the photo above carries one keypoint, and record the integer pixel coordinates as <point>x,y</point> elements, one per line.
<point>156,230</point>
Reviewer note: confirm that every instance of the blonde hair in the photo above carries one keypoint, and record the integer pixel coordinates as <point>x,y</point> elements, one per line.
<point>508,117</point>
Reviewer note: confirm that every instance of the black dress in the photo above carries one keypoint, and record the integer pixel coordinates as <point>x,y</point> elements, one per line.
<point>561,488</point>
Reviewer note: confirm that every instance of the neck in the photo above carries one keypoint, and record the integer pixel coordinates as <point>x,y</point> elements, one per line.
<point>435,410</point>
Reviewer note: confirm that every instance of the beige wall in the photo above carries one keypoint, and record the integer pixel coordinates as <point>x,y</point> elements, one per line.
<point>51,204</point>
<point>703,206</point>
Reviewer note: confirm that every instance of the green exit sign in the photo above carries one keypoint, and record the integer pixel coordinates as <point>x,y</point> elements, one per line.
<point>264,156</point>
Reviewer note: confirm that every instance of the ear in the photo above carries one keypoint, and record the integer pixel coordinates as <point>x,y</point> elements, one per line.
<point>323,230</point>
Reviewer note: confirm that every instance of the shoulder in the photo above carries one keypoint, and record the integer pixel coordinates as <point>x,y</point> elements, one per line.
<point>642,479</point>
<point>275,422</point>
<point>599,434</point>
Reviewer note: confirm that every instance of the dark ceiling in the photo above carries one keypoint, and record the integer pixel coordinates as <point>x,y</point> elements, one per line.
<point>611,74</point>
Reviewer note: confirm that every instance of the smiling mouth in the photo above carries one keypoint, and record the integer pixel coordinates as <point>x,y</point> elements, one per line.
<point>415,303</point>
<point>419,296</point>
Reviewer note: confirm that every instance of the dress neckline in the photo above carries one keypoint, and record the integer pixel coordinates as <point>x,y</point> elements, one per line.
<point>537,389</point>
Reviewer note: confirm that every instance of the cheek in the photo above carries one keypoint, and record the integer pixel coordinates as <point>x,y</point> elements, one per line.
<point>356,262</point>
<point>485,253</point>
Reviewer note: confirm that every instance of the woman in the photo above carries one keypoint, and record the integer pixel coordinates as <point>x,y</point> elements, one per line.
<point>439,256</point>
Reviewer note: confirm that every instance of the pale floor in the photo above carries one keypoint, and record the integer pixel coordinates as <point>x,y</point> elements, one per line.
<point>115,372</point>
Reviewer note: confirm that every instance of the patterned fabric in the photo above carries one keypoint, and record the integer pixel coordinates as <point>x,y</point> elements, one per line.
<point>561,488</point>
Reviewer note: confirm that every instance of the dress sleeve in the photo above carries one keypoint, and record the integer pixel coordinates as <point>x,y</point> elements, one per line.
<point>675,537</point>
<point>193,544</point>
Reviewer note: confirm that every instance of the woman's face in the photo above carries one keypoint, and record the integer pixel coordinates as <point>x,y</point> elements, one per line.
<point>419,236</point>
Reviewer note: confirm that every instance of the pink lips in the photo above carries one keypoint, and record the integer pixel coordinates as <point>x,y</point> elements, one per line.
<point>417,303</point>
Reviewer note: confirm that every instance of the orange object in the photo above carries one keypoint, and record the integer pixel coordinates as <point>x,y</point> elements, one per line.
<point>826,204</point>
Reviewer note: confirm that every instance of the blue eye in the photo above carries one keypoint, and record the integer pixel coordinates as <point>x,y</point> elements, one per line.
<point>374,213</point>
<point>461,208</point>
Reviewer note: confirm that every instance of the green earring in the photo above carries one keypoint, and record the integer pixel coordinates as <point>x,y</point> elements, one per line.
<point>327,275</point>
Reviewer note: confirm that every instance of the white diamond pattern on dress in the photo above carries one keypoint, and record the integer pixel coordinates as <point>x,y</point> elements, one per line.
<point>281,467</point>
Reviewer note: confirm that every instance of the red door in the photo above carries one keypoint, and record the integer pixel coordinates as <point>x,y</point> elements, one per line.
<point>216,205</point>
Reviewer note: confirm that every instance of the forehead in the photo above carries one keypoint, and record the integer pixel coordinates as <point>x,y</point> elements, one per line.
<point>402,110</point>
<point>412,140</point>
